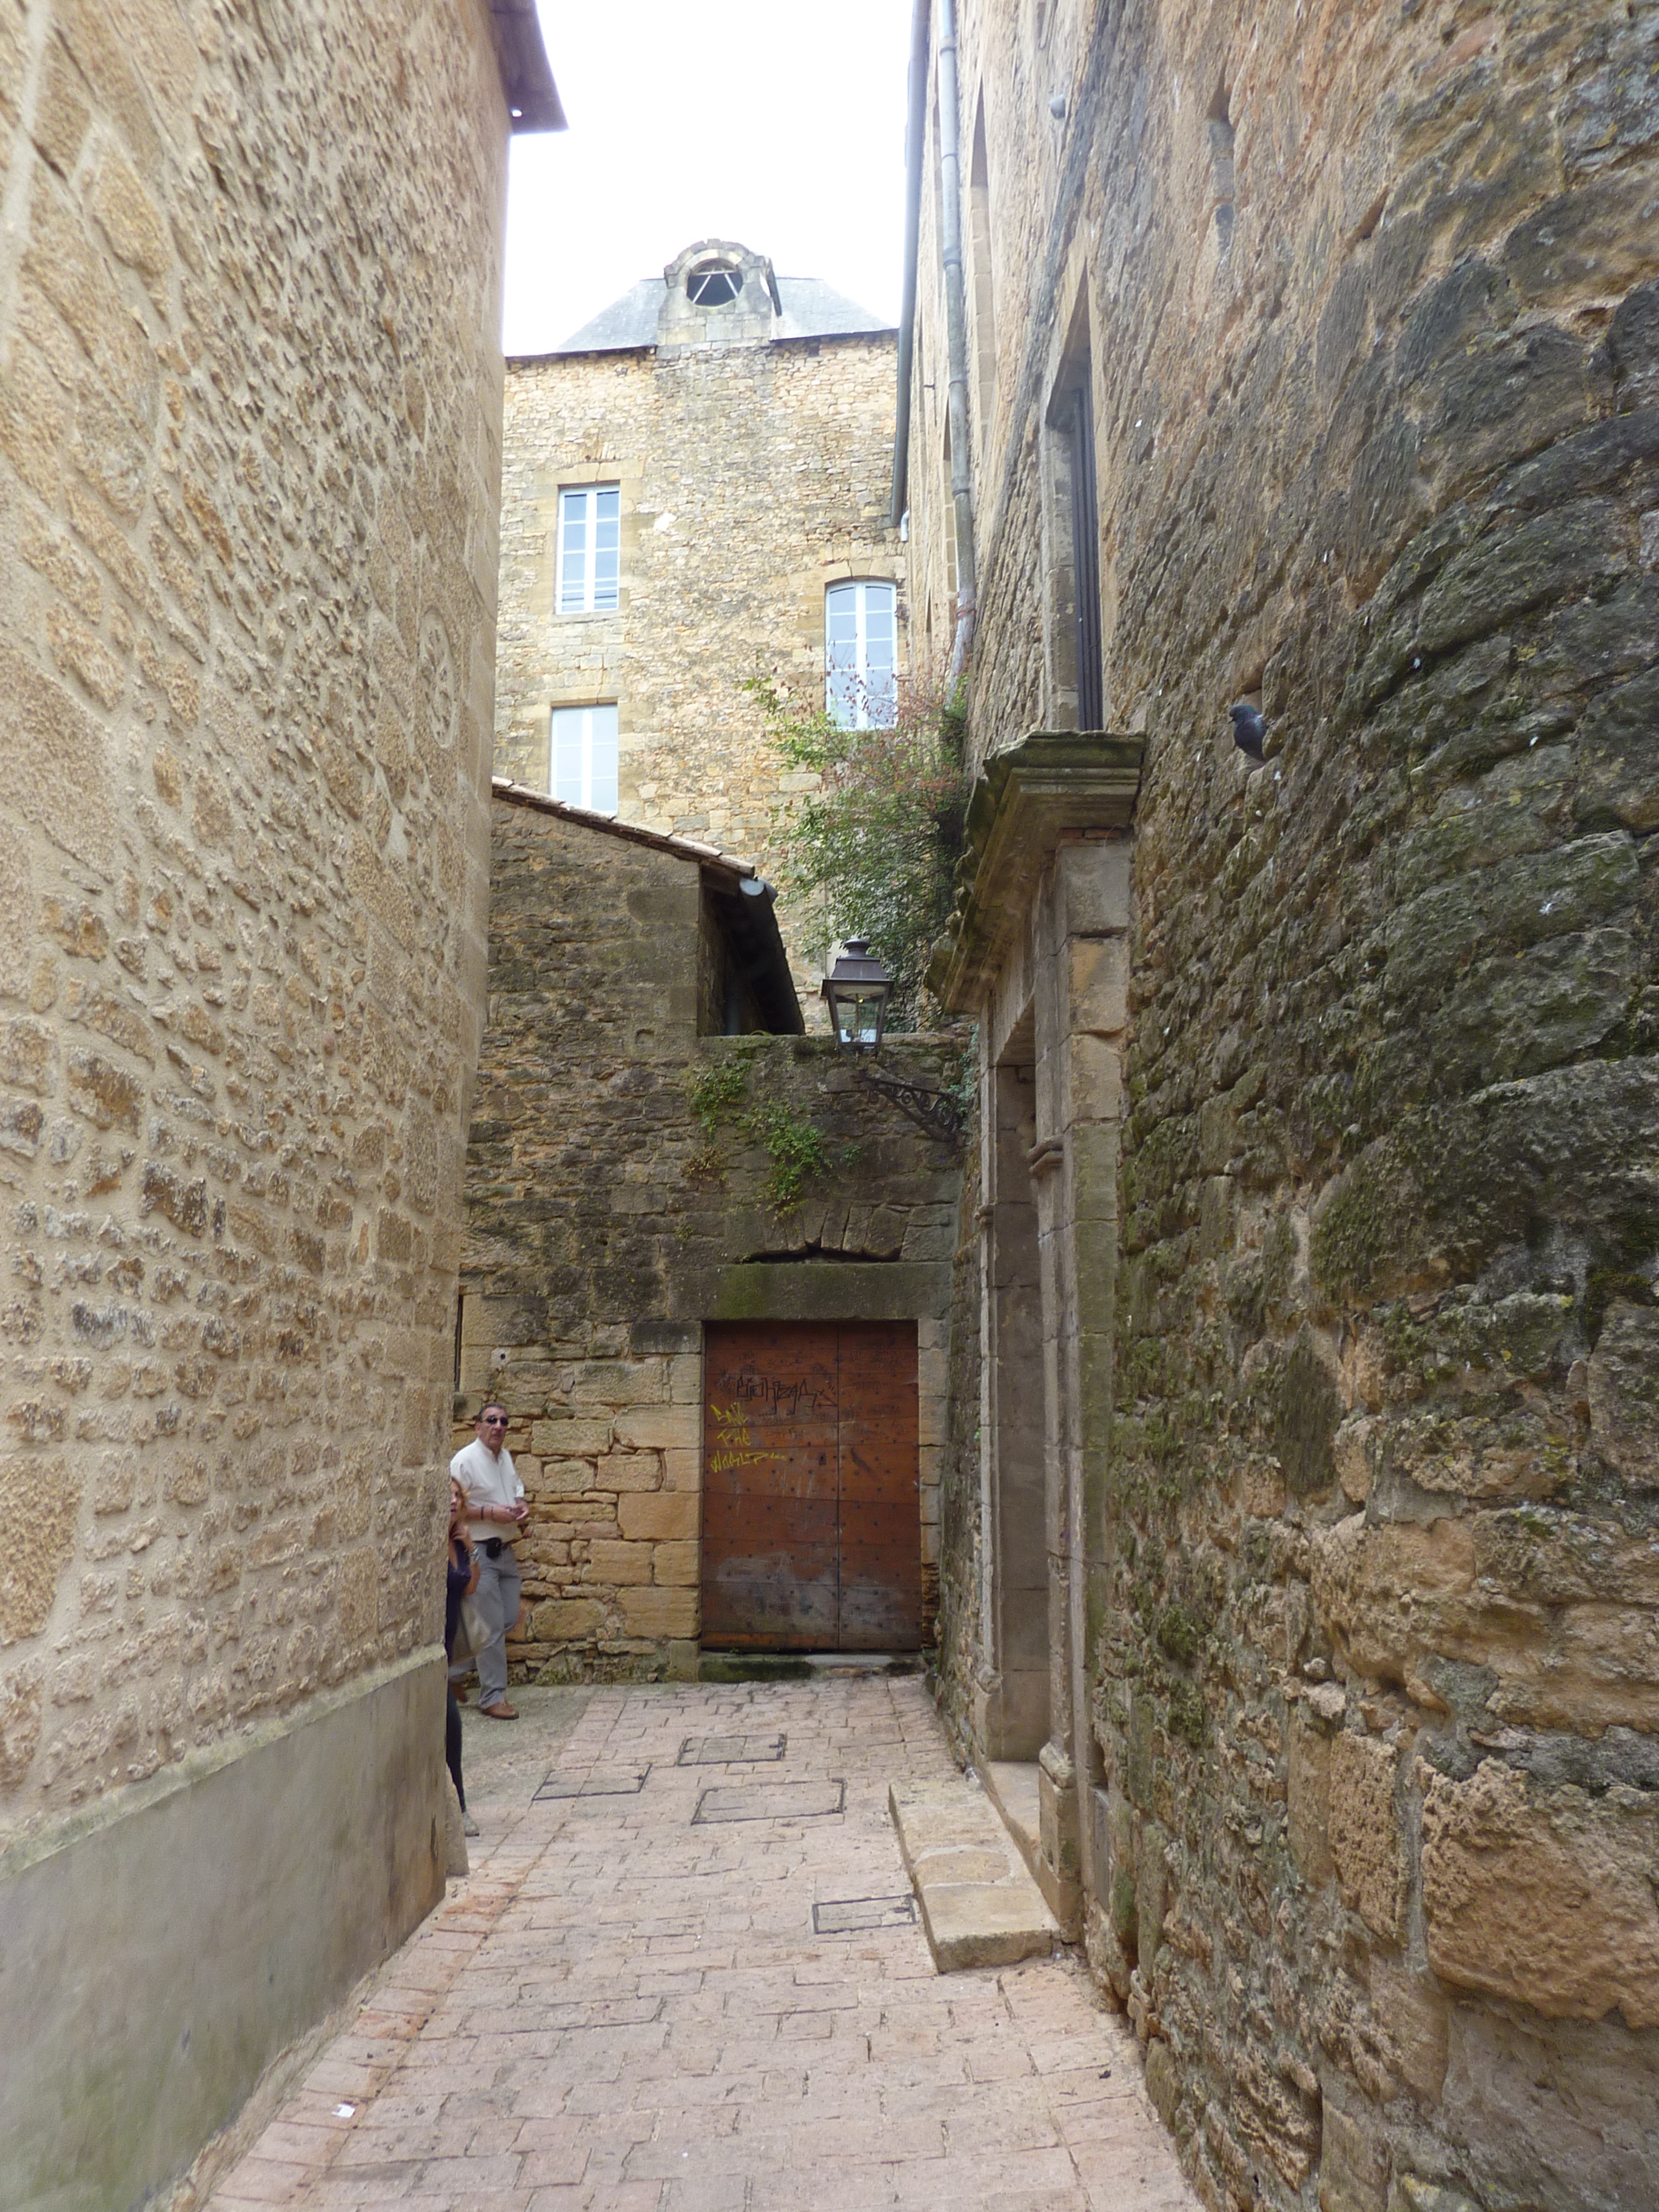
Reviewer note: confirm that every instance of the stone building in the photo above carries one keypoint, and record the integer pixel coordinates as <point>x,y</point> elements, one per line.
<point>1299,1504</point>
<point>707,1273</point>
<point>249,461</point>
<point>696,493</point>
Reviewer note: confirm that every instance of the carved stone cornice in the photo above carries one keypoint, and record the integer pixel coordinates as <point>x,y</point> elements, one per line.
<point>1025,802</point>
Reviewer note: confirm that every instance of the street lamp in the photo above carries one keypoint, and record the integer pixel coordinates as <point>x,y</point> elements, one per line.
<point>856,990</point>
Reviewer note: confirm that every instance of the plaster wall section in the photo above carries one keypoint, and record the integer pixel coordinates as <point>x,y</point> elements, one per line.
<point>1371,312</point>
<point>607,1222</point>
<point>752,476</point>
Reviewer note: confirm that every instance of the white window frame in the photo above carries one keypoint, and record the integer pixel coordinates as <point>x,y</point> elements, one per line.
<point>589,516</point>
<point>858,680</point>
<point>594,785</point>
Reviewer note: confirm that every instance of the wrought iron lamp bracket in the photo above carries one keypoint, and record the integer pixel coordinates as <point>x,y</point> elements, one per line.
<point>937,1112</point>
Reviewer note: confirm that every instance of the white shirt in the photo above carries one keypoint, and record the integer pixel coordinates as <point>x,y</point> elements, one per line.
<point>489,1478</point>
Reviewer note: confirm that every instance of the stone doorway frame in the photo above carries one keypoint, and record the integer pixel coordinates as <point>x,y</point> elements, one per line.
<point>1039,957</point>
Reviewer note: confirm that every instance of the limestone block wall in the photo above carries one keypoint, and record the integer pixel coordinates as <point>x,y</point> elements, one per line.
<point>249,457</point>
<point>1371,310</point>
<point>752,476</point>
<point>606,1223</point>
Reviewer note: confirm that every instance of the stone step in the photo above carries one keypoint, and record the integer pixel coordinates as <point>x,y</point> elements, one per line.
<point>980,1907</point>
<point>1012,1787</point>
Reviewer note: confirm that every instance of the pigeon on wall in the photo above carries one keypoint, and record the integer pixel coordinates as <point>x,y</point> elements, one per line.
<point>1248,729</point>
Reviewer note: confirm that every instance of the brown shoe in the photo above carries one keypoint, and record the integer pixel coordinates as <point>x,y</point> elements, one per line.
<point>502,1712</point>
<point>458,1691</point>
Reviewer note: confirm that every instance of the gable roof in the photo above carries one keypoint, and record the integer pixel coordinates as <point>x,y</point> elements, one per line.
<point>810,309</point>
<point>742,897</point>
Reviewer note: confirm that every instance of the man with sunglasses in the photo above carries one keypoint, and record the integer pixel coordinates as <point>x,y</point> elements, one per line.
<point>496,1515</point>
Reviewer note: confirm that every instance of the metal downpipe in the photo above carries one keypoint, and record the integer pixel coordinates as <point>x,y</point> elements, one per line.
<point>956,332</point>
<point>915,137</point>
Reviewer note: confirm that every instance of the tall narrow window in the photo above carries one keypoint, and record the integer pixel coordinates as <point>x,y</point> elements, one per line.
<point>859,660</point>
<point>1077,428</point>
<point>584,757</point>
<point>590,534</point>
<point>985,310</point>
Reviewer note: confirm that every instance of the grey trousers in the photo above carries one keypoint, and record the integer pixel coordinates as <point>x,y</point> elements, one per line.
<point>497,1599</point>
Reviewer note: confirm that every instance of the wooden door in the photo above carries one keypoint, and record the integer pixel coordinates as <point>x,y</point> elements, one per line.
<point>812,1531</point>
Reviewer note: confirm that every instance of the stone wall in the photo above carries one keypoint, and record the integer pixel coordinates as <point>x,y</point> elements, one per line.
<point>606,1222</point>
<point>752,476</point>
<point>248,475</point>
<point>1369,303</point>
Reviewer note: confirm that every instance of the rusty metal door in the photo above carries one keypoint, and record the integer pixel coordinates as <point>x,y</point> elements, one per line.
<point>811,1529</point>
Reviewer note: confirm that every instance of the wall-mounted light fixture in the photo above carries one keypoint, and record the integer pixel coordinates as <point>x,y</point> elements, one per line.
<point>856,990</point>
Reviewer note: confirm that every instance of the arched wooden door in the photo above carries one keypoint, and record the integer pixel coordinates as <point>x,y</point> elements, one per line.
<point>811,1520</point>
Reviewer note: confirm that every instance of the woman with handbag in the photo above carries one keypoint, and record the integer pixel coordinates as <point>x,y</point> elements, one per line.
<point>462,1581</point>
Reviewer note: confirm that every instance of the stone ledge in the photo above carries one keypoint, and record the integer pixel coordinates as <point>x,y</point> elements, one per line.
<point>979,1905</point>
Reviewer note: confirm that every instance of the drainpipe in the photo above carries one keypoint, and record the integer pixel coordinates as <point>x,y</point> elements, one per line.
<point>913,139</point>
<point>956,332</point>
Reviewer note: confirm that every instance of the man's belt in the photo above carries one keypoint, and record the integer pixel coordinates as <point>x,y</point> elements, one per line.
<point>492,1547</point>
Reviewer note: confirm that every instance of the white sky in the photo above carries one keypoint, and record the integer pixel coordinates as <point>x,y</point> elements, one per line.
<point>774,122</point>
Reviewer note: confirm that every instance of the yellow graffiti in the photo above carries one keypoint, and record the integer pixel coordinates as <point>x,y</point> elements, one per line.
<point>734,1444</point>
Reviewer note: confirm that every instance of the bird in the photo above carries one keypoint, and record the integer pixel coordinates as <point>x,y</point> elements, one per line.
<point>1248,729</point>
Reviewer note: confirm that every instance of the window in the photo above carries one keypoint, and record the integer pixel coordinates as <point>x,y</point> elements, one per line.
<point>589,531</point>
<point>862,683</point>
<point>713,284</point>
<point>1078,430</point>
<point>584,757</point>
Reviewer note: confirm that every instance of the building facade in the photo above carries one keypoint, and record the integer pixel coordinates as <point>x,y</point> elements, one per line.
<point>248,495</point>
<point>707,1272</point>
<point>1298,1501</point>
<point>695,494</point>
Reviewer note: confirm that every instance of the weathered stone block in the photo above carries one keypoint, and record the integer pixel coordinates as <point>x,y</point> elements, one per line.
<point>1354,2168</point>
<point>659,1514</point>
<point>618,1563</point>
<point>659,1428</point>
<point>1623,1389</point>
<point>1546,1901</point>
<point>659,1613</point>
<point>674,1566</point>
<point>558,1439</point>
<point>1308,1798</point>
<point>1367,1847</point>
<point>1411,2010</point>
<point>566,1621</point>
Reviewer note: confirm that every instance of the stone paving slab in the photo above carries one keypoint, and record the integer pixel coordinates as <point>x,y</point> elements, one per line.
<point>980,1907</point>
<point>619,2010</point>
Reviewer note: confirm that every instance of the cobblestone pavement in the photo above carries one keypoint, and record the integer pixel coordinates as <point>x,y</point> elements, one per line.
<point>627,2006</point>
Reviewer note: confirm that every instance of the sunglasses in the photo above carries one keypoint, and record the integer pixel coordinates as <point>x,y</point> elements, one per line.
<point>488,1424</point>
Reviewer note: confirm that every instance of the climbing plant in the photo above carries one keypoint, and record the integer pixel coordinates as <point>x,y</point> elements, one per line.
<point>796,1147</point>
<point>877,841</point>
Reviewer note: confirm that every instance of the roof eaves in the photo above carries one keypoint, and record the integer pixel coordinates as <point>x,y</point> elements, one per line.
<point>684,848</point>
<point>532,98</point>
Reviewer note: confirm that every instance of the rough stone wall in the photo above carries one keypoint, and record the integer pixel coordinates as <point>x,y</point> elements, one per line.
<point>248,470</point>
<point>1375,341</point>
<point>752,476</point>
<point>605,1222</point>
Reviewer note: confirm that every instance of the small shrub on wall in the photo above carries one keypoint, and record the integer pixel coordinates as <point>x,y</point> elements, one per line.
<point>879,840</point>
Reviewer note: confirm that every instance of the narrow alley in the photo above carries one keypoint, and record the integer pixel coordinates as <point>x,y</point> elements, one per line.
<point>683,1976</point>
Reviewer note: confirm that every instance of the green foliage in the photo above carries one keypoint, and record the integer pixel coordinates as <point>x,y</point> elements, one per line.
<point>715,1093</point>
<point>877,843</point>
<point>795,1147</point>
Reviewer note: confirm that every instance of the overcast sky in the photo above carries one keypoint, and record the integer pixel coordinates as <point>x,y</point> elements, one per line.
<point>773,122</point>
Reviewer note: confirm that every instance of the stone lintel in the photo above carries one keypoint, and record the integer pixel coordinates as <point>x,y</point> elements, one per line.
<point>819,1290</point>
<point>1026,800</point>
